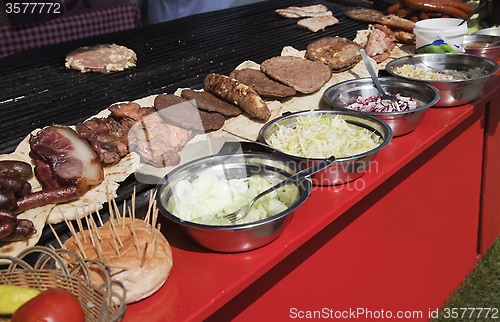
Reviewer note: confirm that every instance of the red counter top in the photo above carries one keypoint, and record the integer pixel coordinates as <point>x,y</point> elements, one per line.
<point>203,281</point>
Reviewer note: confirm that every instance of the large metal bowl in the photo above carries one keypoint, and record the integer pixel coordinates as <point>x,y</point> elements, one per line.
<point>240,237</point>
<point>340,95</point>
<point>482,45</point>
<point>453,92</point>
<point>493,31</point>
<point>344,169</point>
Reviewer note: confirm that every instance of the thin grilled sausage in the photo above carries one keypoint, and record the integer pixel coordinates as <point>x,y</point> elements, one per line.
<point>44,197</point>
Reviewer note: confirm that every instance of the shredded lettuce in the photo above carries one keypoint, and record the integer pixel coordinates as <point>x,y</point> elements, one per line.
<point>318,136</point>
<point>208,198</point>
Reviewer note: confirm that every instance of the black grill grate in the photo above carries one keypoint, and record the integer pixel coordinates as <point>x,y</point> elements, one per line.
<point>36,89</point>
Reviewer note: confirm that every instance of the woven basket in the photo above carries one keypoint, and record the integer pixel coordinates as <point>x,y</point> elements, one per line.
<point>66,270</point>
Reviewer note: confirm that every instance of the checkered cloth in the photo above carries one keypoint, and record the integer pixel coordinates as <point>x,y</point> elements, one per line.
<point>71,27</point>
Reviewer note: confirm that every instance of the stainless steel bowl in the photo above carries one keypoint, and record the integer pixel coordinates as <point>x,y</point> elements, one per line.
<point>344,169</point>
<point>242,237</point>
<point>340,95</point>
<point>454,92</point>
<point>493,31</point>
<point>482,45</point>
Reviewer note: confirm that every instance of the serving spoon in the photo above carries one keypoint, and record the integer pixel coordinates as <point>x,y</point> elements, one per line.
<point>243,211</point>
<point>375,79</point>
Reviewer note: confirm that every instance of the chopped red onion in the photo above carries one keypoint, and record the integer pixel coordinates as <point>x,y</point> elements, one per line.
<point>377,104</point>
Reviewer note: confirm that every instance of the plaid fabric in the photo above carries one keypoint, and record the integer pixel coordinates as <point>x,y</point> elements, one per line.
<point>70,27</point>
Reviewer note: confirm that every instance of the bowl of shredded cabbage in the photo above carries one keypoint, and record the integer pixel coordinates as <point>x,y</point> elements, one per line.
<point>413,99</point>
<point>198,194</point>
<point>310,136</point>
<point>459,78</point>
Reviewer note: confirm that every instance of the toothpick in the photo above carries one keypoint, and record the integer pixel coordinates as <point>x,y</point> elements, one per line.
<point>95,227</point>
<point>98,215</point>
<point>57,237</point>
<point>117,211</point>
<point>78,243</point>
<point>157,239</point>
<point>124,213</point>
<point>116,233</point>
<point>152,196</point>
<point>114,241</point>
<point>90,230</point>
<point>79,223</point>
<point>143,260</point>
<point>110,206</point>
<point>133,234</point>
<point>133,204</point>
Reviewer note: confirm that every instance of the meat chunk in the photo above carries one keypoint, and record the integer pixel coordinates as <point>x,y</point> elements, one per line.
<point>317,10</point>
<point>317,23</point>
<point>379,46</point>
<point>71,160</point>
<point>301,74</point>
<point>261,83</point>
<point>179,111</point>
<point>338,53</point>
<point>208,102</point>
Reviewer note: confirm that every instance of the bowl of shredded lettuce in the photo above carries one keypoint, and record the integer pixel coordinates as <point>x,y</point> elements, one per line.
<point>198,194</point>
<point>311,136</point>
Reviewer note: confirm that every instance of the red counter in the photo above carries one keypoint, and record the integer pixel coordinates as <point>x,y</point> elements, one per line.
<point>395,242</point>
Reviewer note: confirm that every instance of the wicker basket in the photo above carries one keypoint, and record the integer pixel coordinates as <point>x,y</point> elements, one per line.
<point>66,270</point>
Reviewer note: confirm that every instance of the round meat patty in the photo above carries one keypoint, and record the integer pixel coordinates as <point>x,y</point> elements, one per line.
<point>365,15</point>
<point>103,58</point>
<point>338,53</point>
<point>301,74</point>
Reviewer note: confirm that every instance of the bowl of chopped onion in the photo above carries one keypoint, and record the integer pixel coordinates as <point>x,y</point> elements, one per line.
<point>311,136</point>
<point>198,194</point>
<point>413,99</point>
<point>460,78</point>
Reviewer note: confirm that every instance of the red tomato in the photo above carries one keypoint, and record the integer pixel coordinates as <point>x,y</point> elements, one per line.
<point>54,305</point>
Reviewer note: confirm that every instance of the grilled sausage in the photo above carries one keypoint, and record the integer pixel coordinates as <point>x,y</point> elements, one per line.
<point>10,183</point>
<point>7,228</point>
<point>393,8</point>
<point>7,215</point>
<point>229,89</point>
<point>434,6</point>
<point>7,200</point>
<point>23,229</point>
<point>44,197</point>
<point>25,189</point>
<point>17,169</point>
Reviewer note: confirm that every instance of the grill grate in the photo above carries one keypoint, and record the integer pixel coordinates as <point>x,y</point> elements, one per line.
<point>36,89</point>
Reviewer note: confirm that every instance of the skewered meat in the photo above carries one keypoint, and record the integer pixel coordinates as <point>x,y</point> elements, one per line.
<point>71,159</point>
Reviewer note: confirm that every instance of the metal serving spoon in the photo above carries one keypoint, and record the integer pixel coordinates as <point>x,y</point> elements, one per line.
<point>375,79</point>
<point>243,211</point>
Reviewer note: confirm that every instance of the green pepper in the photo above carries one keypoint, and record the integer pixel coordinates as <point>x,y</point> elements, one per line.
<point>13,296</point>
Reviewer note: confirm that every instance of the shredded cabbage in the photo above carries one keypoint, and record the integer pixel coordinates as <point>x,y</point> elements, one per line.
<point>318,136</point>
<point>422,73</point>
<point>208,198</point>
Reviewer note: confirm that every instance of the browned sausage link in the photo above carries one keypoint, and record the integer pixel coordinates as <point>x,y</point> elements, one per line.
<point>23,229</point>
<point>44,197</point>
<point>459,5</point>
<point>428,6</point>
<point>25,190</point>
<point>7,215</point>
<point>7,200</point>
<point>7,228</point>
<point>9,182</point>
<point>393,8</point>
<point>405,12</point>
<point>422,15</point>
<point>18,169</point>
<point>230,90</point>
